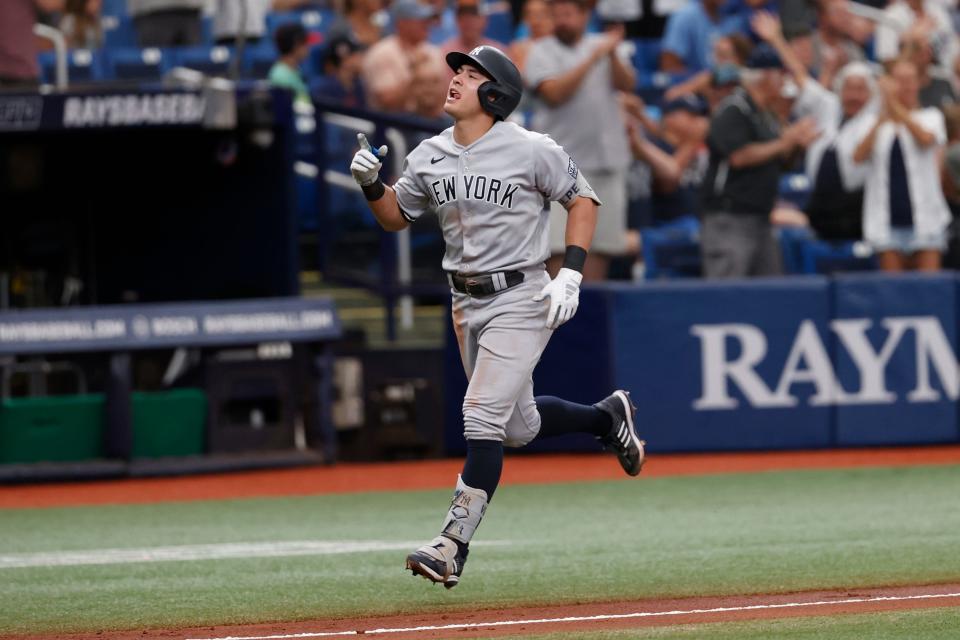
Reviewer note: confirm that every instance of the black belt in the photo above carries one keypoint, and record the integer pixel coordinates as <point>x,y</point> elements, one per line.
<point>485,284</point>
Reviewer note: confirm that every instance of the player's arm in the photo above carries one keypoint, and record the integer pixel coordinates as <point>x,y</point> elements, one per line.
<point>387,211</point>
<point>581,223</point>
<point>381,198</point>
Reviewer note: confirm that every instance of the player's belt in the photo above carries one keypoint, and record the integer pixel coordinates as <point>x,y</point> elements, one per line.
<point>485,284</point>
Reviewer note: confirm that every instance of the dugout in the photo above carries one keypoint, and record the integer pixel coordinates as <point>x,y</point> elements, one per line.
<point>147,196</point>
<point>113,203</point>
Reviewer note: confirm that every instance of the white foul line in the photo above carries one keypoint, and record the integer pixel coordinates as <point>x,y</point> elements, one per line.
<point>193,552</point>
<point>611,616</point>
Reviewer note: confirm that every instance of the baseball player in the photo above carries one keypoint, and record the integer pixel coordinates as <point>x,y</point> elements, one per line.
<point>489,180</point>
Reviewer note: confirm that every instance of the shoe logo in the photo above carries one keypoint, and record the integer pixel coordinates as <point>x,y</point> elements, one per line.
<point>436,160</point>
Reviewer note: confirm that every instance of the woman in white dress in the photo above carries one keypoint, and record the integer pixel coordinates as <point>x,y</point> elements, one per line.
<point>904,212</point>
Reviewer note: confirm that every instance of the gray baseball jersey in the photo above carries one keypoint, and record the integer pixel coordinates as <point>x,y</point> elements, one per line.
<point>490,196</point>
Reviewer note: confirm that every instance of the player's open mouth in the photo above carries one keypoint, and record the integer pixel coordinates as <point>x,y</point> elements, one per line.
<point>453,94</point>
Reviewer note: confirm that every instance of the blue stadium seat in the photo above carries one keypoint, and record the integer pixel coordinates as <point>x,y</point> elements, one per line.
<point>84,65</point>
<point>258,60</point>
<point>646,54</point>
<point>792,240</point>
<point>209,60</point>
<point>48,66</point>
<point>118,31</point>
<point>315,20</point>
<point>114,8</point>
<point>308,218</point>
<point>500,26</point>
<point>132,63</point>
<point>672,250</point>
<point>206,31</point>
<point>831,257</point>
<point>795,188</point>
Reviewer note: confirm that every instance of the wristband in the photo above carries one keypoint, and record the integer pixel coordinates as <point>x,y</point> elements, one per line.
<point>373,191</point>
<point>574,258</point>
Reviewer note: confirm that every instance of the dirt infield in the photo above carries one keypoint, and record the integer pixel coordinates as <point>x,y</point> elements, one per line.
<point>441,474</point>
<point>571,618</point>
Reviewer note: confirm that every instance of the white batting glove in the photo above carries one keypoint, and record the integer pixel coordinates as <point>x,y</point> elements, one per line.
<point>366,162</point>
<point>564,292</point>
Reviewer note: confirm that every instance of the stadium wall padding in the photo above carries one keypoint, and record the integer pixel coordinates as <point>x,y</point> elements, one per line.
<point>780,363</point>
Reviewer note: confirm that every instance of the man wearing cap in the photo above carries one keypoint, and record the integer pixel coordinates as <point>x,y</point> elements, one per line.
<point>747,148</point>
<point>676,156</point>
<point>388,66</point>
<point>576,77</point>
<point>342,61</point>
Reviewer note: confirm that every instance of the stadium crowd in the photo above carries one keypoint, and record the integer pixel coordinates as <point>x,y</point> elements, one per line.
<point>738,123</point>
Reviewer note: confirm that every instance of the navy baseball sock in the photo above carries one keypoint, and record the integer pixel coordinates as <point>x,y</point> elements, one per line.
<point>559,417</point>
<point>483,466</point>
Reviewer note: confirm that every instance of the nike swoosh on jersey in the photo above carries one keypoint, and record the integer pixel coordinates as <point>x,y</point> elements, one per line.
<point>436,160</point>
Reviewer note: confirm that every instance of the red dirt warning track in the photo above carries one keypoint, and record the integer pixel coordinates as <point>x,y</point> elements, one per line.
<point>441,474</point>
<point>587,617</point>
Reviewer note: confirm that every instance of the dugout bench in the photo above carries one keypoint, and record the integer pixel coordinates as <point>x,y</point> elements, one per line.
<point>246,349</point>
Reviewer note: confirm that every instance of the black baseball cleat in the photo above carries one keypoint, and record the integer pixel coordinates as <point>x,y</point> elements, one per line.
<point>440,561</point>
<point>623,435</point>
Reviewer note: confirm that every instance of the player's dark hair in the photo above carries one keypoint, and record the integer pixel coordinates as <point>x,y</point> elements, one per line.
<point>289,36</point>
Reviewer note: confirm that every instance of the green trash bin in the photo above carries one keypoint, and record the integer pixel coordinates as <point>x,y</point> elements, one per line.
<point>52,428</point>
<point>169,423</point>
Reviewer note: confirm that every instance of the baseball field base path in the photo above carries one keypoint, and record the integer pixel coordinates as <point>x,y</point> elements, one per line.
<point>584,618</point>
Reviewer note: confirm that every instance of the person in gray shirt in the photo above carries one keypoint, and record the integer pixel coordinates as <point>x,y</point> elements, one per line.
<point>488,180</point>
<point>577,77</point>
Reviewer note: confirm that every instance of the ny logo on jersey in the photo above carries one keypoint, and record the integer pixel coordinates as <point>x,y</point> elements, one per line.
<point>475,187</point>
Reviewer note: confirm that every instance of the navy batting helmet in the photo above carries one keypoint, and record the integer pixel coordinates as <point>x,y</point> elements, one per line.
<point>501,95</point>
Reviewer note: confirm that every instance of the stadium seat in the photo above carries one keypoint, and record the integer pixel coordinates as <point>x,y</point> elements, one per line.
<point>831,257</point>
<point>314,20</point>
<point>792,240</point>
<point>646,54</point>
<point>84,65</point>
<point>672,250</point>
<point>258,60</point>
<point>118,31</point>
<point>209,60</point>
<point>795,188</point>
<point>114,8</point>
<point>206,31</point>
<point>131,63</point>
<point>307,204</point>
<point>500,26</point>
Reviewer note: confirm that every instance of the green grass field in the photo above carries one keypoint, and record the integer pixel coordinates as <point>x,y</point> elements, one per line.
<point>727,534</point>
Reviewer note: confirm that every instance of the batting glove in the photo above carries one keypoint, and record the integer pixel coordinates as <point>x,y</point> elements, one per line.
<point>564,292</point>
<point>366,162</point>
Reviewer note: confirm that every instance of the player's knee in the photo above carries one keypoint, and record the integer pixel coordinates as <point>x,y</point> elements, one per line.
<point>515,441</point>
<point>479,430</point>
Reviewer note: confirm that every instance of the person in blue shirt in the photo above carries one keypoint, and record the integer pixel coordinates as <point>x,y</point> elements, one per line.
<point>688,40</point>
